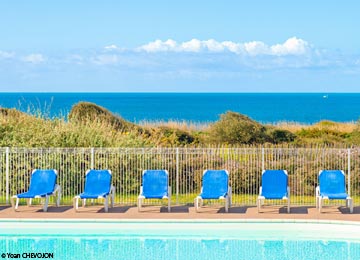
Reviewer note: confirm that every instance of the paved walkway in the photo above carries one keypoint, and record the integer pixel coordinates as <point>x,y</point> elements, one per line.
<point>181,212</point>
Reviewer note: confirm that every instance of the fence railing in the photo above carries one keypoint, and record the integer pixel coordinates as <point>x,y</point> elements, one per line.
<point>185,166</point>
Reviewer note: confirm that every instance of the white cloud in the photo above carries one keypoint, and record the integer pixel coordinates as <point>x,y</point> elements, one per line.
<point>159,46</point>
<point>34,58</point>
<point>214,46</point>
<point>292,46</point>
<point>256,48</point>
<point>191,46</point>
<point>113,47</point>
<point>6,55</point>
<point>233,47</point>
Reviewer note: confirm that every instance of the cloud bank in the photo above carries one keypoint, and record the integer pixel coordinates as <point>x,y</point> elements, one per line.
<point>292,46</point>
<point>193,57</point>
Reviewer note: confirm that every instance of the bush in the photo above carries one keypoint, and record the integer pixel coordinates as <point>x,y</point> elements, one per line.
<point>234,128</point>
<point>277,136</point>
<point>167,136</point>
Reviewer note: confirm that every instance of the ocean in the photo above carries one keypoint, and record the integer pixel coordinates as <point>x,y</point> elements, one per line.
<point>306,108</point>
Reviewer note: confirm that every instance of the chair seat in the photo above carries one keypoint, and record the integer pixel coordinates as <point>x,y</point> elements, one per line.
<point>213,196</point>
<point>29,195</point>
<point>89,195</point>
<point>274,196</point>
<point>335,196</point>
<point>154,196</point>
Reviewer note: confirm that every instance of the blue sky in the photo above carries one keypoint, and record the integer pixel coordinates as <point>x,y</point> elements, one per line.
<point>180,46</point>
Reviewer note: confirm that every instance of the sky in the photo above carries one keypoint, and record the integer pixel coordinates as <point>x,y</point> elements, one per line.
<point>179,46</point>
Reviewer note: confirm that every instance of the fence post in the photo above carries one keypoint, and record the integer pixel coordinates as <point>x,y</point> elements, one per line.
<point>177,176</point>
<point>262,159</point>
<point>92,158</point>
<point>349,171</point>
<point>7,169</point>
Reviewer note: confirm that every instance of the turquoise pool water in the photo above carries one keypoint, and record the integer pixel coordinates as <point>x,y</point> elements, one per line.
<point>181,240</point>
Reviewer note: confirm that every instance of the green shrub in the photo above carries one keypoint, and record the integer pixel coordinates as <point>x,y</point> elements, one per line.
<point>277,136</point>
<point>234,128</point>
<point>167,136</point>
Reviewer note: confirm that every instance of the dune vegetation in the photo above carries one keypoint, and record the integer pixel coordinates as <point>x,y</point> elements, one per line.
<point>89,125</point>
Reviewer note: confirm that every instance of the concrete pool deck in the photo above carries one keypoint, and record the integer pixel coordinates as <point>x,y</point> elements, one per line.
<point>181,212</point>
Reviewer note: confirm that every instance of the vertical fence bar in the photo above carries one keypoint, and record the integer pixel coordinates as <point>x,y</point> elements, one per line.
<point>177,176</point>
<point>349,171</point>
<point>7,168</point>
<point>262,159</point>
<point>92,158</point>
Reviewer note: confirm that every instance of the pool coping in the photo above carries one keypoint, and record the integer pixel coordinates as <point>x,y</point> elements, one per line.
<point>207,221</point>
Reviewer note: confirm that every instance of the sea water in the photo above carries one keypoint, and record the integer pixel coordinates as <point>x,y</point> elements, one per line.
<point>305,108</point>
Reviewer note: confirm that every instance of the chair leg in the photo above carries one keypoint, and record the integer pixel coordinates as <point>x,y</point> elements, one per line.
<point>76,203</point>
<point>139,204</point>
<point>169,204</point>
<point>16,204</point>
<point>107,204</point>
<point>258,205</point>
<point>320,204</point>
<point>351,205</point>
<point>197,204</point>
<point>227,204</point>
<point>46,203</point>
<point>288,206</point>
<point>84,203</point>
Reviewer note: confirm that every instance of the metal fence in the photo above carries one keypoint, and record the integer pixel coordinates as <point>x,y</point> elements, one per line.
<point>185,166</point>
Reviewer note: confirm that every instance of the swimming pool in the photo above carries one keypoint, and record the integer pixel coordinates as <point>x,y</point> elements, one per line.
<point>166,239</point>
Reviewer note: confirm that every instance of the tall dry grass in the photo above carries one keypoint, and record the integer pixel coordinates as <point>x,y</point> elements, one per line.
<point>19,129</point>
<point>294,127</point>
<point>181,125</point>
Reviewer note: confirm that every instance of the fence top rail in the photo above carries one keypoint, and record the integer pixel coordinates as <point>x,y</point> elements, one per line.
<point>285,147</point>
<point>176,149</point>
<point>48,150</point>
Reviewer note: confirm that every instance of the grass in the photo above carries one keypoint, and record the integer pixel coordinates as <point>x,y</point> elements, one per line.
<point>294,127</point>
<point>188,199</point>
<point>177,124</point>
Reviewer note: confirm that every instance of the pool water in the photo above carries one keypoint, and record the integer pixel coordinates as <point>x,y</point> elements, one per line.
<point>145,248</point>
<point>255,241</point>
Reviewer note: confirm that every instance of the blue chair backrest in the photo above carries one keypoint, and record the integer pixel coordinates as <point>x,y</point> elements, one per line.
<point>274,181</point>
<point>98,181</point>
<point>42,181</point>
<point>332,181</point>
<point>155,183</point>
<point>215,182</point>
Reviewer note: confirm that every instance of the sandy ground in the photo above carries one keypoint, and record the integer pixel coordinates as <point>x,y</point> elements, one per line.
<point>181,212</point>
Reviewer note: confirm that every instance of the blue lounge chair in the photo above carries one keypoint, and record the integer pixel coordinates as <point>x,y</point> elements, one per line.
<point>155,185</point>
<point>332,187</point>
<point>215,185</point>
<point>97,186</point>
<point>42,185</point>
<point>274,187</point>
